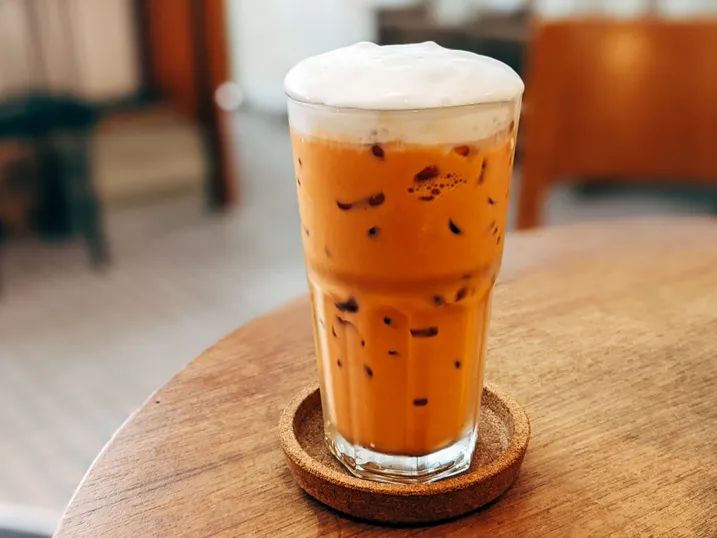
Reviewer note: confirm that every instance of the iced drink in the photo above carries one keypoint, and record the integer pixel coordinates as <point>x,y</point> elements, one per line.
<point>403,158</point>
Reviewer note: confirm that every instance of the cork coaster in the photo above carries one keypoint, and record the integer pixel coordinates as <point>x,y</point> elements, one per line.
<point>503,439</point>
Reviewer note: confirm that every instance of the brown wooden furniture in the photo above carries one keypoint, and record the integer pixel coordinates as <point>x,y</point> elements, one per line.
<point>605,333</point>
<point>184,50</point>
<point>618,100</point>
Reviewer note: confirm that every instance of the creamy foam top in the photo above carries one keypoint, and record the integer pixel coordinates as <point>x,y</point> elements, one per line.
<point>401,77</point>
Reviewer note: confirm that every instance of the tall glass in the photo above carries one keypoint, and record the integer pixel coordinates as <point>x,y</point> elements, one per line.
<point>403,215</point>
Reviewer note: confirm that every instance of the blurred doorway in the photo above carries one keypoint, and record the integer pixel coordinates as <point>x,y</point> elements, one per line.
<point>183,47</point>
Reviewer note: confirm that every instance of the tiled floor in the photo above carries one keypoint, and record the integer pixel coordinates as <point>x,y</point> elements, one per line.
<point>79,349</point>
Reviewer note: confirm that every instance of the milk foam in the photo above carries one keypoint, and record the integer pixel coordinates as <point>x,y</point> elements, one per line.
<point>402,92</point>
<point>391,77</point>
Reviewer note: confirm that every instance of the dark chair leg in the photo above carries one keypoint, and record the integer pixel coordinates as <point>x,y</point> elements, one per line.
<point>2,239</point>
<point>93,230</point>
<point>86,209</point>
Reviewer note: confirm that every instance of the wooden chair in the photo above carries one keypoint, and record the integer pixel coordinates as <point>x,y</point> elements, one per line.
<point>619,100</point>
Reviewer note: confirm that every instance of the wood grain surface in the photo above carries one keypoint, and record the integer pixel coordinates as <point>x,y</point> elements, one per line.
<point>606,333</point>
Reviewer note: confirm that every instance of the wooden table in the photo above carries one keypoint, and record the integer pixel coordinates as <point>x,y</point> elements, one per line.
<point>606,333</point>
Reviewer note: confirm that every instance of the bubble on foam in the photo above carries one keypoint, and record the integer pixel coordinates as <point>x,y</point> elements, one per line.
<point>391,77</point>
<point>411,93</point>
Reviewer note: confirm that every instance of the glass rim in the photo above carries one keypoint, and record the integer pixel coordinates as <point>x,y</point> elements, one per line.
<point>312,104</point>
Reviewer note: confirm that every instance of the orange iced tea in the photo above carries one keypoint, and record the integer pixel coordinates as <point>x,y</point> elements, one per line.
<point>403,157</point>
<point>403,243</point>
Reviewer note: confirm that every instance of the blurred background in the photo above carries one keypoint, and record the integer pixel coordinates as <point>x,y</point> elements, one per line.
<point>147,202</point>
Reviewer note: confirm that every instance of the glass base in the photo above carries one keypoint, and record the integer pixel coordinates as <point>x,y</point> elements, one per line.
<point>396,469</point>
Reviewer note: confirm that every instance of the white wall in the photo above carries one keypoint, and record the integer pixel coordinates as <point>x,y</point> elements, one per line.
<point>106,48</point>
<point>268,37</point>
<point>624,8</point>
<point>88,46</point>
<point>15,52</point>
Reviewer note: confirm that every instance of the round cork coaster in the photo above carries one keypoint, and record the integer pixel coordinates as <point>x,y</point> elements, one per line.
<point>503,439</point>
